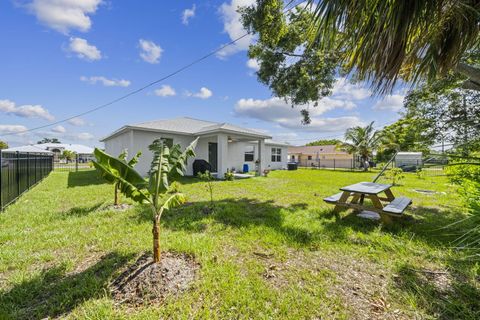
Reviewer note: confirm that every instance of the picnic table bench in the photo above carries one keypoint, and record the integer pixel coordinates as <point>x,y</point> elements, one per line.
<point>394,207</point>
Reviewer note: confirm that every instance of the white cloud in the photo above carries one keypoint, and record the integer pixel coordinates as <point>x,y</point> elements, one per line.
<point>323,124</point>
<point>63,15</point>
<point>165,91</point>
<point>204,93</point>
<point>392,102</point>
<point>232,25</point>
<point>25,111</point>
<point>276,108</point>
<point>277,111</point>
<point>188,14</point>
<point>78,122</point>
<point>84,50</point>
<point>253,64</point>
<point>344,89</point>
<point>151,52</point>
<point>105,81</point>
<point>59,129</point>
<point>12,128</point>
<point>85,136</point>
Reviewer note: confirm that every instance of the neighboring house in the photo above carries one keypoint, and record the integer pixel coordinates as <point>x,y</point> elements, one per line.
<point>224,146</point>
<point>84,153</point>
<point>327,156</point>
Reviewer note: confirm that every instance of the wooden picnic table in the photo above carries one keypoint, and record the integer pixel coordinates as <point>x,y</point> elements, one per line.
<point>370,190</point>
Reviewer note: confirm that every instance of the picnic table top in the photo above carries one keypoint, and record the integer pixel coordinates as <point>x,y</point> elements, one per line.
<point>367,187</point>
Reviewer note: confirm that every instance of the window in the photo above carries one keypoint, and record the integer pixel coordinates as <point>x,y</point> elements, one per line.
<point>309,157</point>
<point>276,155</point>
<point>249,154</point>
<point>167,141</point>
<point>293,157</point>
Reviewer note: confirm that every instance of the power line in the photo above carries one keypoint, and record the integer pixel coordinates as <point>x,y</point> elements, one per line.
<point>181,69</point>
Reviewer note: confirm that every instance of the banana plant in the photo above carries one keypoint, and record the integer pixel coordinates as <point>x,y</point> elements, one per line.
<point>103,164</point>
<point>168,164</point>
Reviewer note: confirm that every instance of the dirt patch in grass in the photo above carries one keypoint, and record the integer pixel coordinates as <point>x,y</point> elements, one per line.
<point>119,207</point>
<point>146,282</point>
<point>360,284</point>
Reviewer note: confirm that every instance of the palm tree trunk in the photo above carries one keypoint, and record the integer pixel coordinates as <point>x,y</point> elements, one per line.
<point>156,240</point>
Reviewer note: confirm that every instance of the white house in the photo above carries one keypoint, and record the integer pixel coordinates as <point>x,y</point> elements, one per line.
<point>223,145</point>
<point>85,153</point>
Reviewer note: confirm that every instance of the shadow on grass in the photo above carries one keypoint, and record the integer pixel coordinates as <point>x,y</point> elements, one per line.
<point>440,294</point>
<point>238,213</point>
<point>82,211</point>
<point>55,292</point>
<point>84,178</point>
<point>434,226</point>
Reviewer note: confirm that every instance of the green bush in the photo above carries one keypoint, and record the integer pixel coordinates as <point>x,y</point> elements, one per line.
<point>420,173</point>
<point>467,176</point>
<point>208,178</point>
<point>395,175</point>
<point>229,176</point>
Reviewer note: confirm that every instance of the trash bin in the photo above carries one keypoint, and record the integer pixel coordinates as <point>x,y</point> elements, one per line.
<point>245,168</point>
<point>292,166</point>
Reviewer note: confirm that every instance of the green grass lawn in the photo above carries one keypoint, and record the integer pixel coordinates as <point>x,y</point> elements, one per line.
<point>271,249</point>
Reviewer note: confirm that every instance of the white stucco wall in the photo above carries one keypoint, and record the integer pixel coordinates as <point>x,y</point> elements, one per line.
<point>117,144</point>
<point>136,140</point>
<point>268,158</point>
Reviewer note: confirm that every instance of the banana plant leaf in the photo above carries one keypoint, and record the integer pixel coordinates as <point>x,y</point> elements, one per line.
<point>114,170</point>
<point>158,182</point>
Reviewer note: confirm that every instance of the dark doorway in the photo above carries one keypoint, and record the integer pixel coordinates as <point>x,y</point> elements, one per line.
<point>213,155</point>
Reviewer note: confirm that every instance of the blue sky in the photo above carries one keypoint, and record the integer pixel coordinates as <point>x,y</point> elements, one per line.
<point>62,57</point>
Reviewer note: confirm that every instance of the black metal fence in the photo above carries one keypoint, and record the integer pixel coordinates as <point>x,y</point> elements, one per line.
<point>76,163</point>
<point>332,164</point>
<point>19,171</point>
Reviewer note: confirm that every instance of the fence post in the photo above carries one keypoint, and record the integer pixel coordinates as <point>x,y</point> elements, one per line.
<point>18,173</point>
<point>35,167</point>
<point>28,170</point>
<point>76,162</point>
<point>333,163</point>
<point>1,189</point>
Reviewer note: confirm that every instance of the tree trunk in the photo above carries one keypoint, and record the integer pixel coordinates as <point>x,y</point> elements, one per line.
<point>115,201</point>
<point>156,241</point>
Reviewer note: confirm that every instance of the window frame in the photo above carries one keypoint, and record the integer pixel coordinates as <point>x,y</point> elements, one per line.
<point>249,153</point>
<point>276,154</point>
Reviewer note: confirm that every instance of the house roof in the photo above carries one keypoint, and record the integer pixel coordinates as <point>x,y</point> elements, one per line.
<point>315,149</point>
<point>29,148</point>
<point>188,126</point>
<point>45,147</point>
<point>269,142</point>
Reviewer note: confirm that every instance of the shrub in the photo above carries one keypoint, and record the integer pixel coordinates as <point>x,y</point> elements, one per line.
<point>229,176</point>
<point>467,176</point>
<point>394,175</point>
<point>208,178</point>
<point>420,173</point>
